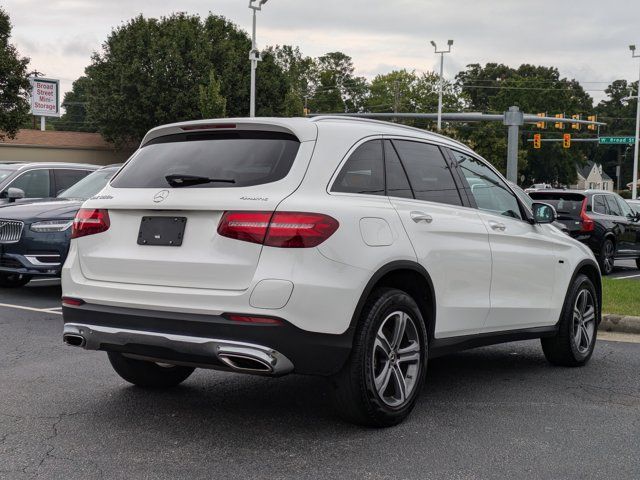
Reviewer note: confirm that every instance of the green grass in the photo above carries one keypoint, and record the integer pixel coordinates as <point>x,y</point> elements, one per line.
<point>621,297</point>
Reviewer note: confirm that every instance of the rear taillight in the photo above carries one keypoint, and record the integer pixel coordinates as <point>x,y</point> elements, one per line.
<point>72,302</point>
<point>586,224</point>
<point>253,319</point>
<point>279,229</point>
<point>89,221</point>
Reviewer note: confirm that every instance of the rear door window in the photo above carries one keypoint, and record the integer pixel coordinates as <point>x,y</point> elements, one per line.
<point>66,178</point>
<point>624,207</point>
<point>429,174</point>
<point>210,160</point>
<point>363,172</point>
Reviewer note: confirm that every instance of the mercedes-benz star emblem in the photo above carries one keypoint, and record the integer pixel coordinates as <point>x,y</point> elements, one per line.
<point>161,196</point>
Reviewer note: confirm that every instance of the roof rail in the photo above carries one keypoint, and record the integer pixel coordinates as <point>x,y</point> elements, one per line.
<point>320,118</point>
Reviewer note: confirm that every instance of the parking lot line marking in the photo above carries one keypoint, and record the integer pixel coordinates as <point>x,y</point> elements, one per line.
<point>628,276</point>
<point>22,307</point>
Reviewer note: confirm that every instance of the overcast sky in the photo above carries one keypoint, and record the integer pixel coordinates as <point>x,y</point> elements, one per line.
<point>586,39</point>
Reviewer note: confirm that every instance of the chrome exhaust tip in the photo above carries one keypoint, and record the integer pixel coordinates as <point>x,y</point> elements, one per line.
<point>74,340</point>
<point>244,363</point>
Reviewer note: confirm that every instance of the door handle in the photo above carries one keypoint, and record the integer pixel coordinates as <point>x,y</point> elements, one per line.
<point>497,226</point>
<point>421,217</point>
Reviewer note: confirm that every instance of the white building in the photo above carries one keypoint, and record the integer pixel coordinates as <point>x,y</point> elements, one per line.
<point>592,177</point>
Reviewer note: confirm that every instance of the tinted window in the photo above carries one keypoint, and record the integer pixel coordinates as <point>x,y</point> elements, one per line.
<point>600,205</point>
<point>363,172</point>
<point>428,172</point>
<point>246,158</point>
<point>397,182</point>
<point>614,208</point>
<point>624,207</point>
<point>67,178</point>
<point>35,183</point>
<point>89,185</point>
<point>488,189</point>
<point>5,173</point>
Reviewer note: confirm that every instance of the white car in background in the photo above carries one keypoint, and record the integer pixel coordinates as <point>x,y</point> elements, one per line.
<point>331,246</point>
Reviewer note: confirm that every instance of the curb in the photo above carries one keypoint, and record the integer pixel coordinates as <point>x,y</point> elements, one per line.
<point>620,323</point>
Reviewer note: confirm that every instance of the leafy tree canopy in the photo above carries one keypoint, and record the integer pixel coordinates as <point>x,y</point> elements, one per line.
<point>14,84</point>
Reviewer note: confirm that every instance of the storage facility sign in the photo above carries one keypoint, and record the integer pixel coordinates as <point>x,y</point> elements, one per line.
<point>45,97</point>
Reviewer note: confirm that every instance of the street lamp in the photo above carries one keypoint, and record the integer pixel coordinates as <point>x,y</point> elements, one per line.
<point>441,52</point>
<point>254,55</point>
<point>634,182</point>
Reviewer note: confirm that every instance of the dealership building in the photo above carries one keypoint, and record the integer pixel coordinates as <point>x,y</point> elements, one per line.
<point>55,146</point>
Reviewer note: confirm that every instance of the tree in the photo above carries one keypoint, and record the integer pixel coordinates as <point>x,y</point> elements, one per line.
<point>14,84</point>
<point>301,73</point>
<point>75,104</point>
<point>338,90</point>
<point>212,103</point>
<point>150,71</point>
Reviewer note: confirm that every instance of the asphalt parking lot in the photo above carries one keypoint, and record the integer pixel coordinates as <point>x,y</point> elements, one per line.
<point>496,412</point>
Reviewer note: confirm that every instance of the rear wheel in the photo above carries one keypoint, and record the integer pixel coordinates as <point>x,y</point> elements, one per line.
<point>380,383</point>
<point>607,256</point>
<point>13,280</point>
<point>578,328</point>
<point>148,374</point>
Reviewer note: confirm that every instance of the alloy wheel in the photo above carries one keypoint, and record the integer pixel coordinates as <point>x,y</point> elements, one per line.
<point>397,357</point>
<point>608,257</point>
<point>584,321</point>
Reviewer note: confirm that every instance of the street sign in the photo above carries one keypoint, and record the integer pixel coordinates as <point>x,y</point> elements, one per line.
<point>616,140</point>
<point>45,97</point>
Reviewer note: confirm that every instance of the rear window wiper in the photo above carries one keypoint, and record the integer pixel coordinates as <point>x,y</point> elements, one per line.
<point>181,180</point>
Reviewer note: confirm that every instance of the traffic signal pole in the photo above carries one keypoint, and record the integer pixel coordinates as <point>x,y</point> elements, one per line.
<point>513,119</point>
<point>634,184</point>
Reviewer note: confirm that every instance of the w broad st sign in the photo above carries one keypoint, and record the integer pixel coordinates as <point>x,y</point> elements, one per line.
<point>616,140</point>
<point>45,97</point>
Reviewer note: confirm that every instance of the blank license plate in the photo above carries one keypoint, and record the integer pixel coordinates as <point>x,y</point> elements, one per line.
<point>163,231</point>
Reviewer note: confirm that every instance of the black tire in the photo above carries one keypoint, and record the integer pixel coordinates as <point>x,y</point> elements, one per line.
<point>606,259</point>
<point>638,263</point>
<point>356,395</point>
<point>148,374</point>
<point>563,349</point>
<point>13,280</point>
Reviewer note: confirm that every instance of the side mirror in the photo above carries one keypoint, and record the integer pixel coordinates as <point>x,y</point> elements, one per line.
<point>14,194</point>
<point>544,213</point>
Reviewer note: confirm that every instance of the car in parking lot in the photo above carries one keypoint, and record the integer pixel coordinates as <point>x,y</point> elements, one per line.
<point>34,237</point>
<point>602,220</point>
<point>635,205</point>
<point>333,246</point>
<point>39,180</point>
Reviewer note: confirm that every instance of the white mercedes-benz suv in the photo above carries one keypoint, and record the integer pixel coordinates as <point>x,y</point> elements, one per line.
<point>347,248</point>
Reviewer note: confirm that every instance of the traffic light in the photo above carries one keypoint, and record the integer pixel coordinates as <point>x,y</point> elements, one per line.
<point>537,140</point>
<point>575,126</point>
<point>592,118</point>
<point>566,141</point>
<point>306,111</point>
<point>559,125</point>
<point>541,124</point>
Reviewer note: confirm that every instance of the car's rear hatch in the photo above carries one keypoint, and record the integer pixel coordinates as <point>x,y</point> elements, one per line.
<point>185,179</point>
<point>570,207</point>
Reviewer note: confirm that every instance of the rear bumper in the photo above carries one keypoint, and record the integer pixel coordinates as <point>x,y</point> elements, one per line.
<point>209,341</point>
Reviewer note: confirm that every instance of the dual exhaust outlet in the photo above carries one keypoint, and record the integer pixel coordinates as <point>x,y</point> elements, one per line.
<point>238,356</point>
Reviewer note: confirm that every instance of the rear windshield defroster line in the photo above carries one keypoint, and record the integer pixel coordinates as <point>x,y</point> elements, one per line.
<point>248,158</point>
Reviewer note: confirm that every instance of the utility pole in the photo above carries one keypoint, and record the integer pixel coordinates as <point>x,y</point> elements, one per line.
<point>254,55</point>
<point>513,119</point>
<point>634,181</point>
<point>441,52</point>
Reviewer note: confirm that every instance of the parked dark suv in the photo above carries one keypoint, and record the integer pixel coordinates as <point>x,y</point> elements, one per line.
<point>602,220</point>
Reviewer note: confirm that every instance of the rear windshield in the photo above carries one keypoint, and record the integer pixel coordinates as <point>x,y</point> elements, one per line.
<point>566,204</point>
<point>210,160</point>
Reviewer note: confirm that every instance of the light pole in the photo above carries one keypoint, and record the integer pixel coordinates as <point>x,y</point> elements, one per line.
<point>254,55</point>
<point>441,52</point>
<point>634,182</point>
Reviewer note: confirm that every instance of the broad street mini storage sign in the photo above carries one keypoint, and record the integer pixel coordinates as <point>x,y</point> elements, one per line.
<point>45,96</point>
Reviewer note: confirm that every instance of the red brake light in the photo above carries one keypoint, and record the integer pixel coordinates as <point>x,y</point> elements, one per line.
<point>279,229</point>
<point>89,221</point>
<point>587,225</point>
<point>73,302</point>
<point>207,126</point>
<point>254,319</point>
